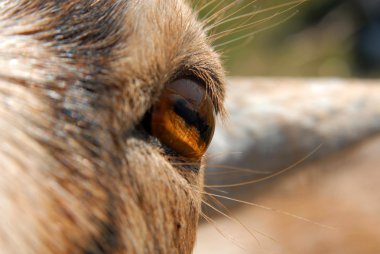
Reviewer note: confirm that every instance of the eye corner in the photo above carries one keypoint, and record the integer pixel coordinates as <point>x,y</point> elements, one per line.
<point>146,121</point>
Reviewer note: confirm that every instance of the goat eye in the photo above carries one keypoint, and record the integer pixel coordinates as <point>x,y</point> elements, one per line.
<point>183,118</point>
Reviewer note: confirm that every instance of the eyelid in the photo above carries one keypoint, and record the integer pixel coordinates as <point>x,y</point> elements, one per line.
<point>207,83</point>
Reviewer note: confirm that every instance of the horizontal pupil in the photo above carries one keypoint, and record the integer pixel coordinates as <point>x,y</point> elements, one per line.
<point>192,118</point>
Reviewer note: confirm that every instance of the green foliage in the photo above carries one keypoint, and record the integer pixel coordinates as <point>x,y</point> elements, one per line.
<point>285,38</point>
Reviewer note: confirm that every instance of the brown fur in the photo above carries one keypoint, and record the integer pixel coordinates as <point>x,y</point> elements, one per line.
<point>78,175</point>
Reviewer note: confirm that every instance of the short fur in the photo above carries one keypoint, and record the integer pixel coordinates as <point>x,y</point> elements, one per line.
<point>78,174</point>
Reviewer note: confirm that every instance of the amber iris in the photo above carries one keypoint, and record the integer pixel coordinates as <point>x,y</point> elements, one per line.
<point>183,118</point>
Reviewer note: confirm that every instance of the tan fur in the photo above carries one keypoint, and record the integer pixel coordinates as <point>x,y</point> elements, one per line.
<point>76,78</point>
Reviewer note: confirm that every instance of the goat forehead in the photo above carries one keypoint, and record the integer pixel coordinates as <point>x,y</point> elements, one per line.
<point>161,36</point>
<point>98,31</point>
<point>94,24</point>
<point>110,41</point>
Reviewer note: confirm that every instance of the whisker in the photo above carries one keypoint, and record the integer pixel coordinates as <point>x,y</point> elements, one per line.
<point>204,7</point>
<point>273,210</point>
<point>223,173</point>
<point>237,11</point>
<point>219,154</point>
<point>249,170</point>
<point>206,156</point>
<point>196,4</point>
<point>233,219</point>
<point>216,166</point>
<point>227,32</point>
<point>214,37</point>
<point>211,12</point>
<point>255,32</point>
<point>218,190</point>
<point>257,231</point>
<point>185,163</point>
<point>224,52</point>
<point>223,10</point>
<point>227,236</point>
<point>256,12</point>
<point>270,176</point>
<point>218,13</point>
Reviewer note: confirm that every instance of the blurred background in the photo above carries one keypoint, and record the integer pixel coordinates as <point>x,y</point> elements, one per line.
<point>316,38</point>
<point>304,151</point>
